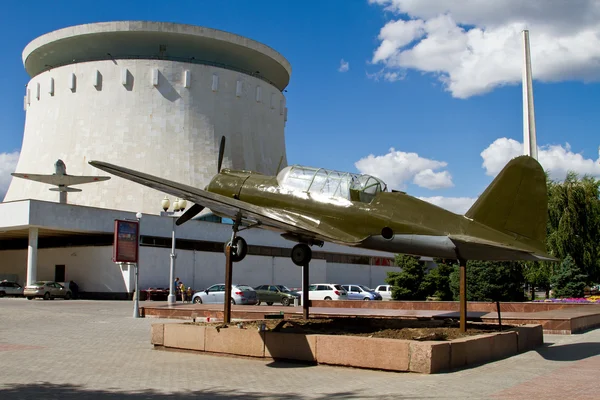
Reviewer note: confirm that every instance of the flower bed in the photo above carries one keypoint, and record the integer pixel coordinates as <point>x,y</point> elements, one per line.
<point>582,300</point>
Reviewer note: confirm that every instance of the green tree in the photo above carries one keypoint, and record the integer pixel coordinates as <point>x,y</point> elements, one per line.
<point>407,283</point>
<point>574,222</point>
<point>491,281</point>
<point>568,280</point>
<point>437,281</point>
<point>538,274</point>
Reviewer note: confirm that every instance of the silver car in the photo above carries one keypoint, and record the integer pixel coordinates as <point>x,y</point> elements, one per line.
<point>240,294</point>
<point>361,292</point>
<point>48,290</point>
<point>8,288</point>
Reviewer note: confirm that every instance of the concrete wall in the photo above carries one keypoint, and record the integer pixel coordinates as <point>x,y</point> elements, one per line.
<point>94,271</point>
<point>166,130</point>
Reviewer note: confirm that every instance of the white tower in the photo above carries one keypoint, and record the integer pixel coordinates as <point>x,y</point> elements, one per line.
<point>529,136</point>
<point>154,97</point>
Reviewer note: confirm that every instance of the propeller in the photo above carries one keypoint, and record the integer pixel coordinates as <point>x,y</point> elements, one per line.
<point>197,208</point>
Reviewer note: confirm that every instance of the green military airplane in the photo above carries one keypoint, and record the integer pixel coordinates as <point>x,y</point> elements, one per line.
<point>314,205</point>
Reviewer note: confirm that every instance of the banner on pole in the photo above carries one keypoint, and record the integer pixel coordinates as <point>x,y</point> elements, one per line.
<point>125,243</point>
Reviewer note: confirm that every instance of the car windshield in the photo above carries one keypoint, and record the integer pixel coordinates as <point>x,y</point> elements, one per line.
<point>38,283</point>
<point>283,288</point>
<point>363,287</point>
<point>244,287</point>
<point>338,287</point>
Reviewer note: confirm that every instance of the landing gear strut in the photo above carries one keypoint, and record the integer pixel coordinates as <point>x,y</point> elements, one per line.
<point>235,251</point>
<point>301,256</point>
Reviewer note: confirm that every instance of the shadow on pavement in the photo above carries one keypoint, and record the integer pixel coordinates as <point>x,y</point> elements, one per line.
<point>570,352</point>
<point>41,391</point>
<point>290,364</point>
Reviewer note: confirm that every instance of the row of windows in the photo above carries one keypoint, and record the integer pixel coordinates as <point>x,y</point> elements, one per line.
<point>156,78</point>
<point>186,244</point>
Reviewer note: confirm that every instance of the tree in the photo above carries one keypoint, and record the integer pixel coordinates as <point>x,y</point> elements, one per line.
<point>437,281</point>
<point>491,281</point>
<point>574,222</point>
<point>568,281</point>
<point>407,283</point>
<point>538,274</point>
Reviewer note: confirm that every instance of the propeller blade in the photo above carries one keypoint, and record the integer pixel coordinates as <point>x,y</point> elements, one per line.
<point>189,214</point>
<point>221,152</point>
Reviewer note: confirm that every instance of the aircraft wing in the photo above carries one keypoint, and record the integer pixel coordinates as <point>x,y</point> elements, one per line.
<point>269,218</point>
<point>61,180</point>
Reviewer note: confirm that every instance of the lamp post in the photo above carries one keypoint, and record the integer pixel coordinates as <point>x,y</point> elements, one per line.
<point>178,208</point>
<point>136,302</point>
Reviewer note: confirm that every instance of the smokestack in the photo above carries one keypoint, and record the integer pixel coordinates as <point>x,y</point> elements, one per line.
<point>529,136</point>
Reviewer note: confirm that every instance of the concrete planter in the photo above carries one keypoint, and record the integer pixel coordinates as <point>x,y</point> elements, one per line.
<point>426,357</point>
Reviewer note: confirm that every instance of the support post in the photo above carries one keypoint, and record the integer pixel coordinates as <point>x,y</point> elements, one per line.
<point>171,299</point>
<point>463,295</point>
<point>32,249</point>
<point>227,299</point>
<point>62,197</point>
<point>305,300</point>
<point>136,295</point>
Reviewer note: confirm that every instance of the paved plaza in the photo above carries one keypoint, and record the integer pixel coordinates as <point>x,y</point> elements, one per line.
<point>94,349</point>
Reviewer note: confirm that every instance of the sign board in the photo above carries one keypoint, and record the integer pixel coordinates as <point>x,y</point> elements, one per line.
<point>125,243</point>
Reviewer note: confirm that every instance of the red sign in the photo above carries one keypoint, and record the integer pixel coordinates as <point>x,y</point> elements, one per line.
<point>125,244</point>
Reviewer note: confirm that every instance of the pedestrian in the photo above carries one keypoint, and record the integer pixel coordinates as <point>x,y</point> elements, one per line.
<point>182,290</point>
<point>189,294</point>
<point>74,289</point>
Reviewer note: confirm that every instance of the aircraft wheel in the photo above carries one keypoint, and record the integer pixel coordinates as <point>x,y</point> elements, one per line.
<point>239,249</point>
<point>301,254</point>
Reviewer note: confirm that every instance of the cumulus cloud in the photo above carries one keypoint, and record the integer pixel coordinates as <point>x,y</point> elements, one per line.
<point>396,168</point>
<point>458,205</point>
<point>433,180</point>
<point>556,159</point>
<point>8,164</point>
<point>344,66</point>
<point>475,46</point>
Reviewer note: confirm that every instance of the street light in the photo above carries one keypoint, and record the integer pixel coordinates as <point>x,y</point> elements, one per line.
<point>136,302</point>
<point>178,207</point>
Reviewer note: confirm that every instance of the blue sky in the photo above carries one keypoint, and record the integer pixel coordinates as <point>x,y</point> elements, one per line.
<point>431,78</point>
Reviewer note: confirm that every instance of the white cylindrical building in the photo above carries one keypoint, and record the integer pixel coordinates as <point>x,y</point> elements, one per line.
<point>154,97</point>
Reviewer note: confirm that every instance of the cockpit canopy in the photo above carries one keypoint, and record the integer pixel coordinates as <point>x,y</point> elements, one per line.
<point>355,187</point>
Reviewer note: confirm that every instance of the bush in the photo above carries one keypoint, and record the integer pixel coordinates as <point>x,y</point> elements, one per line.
<point>568,280</point>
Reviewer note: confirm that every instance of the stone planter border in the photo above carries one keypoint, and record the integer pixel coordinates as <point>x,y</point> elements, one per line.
<point>353,351</point>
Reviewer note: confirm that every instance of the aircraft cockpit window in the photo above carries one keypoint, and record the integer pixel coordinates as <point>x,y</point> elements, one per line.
<point>330,183</point>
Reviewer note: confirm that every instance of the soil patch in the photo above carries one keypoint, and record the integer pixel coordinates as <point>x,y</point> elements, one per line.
<point>368,327</point>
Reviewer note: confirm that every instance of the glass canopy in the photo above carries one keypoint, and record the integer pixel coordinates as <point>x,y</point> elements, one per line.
<point>330,183</point>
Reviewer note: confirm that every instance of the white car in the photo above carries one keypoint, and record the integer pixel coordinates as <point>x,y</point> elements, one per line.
<point>385,291</point>
<point>326,291</point>
<point>8,288</point>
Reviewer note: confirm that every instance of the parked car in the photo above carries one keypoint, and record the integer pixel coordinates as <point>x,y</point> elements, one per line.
<point>361,292</point>
<point>49,290</point>
<point>326,291</point>
<point>385,291</point>
<point>275,294</point>
<point>8,288</point>
<point>240,294</point>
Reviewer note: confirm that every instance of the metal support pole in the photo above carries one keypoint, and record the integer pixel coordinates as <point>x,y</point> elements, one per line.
<point>136,300</point>
<point>172,299</point>
<point>227,299</point>
<point>32,252</point>
<point>305,301</point>
<point>463,295</point>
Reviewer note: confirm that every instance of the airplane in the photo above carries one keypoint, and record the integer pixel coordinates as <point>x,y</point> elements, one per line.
<point>61,180</point>
<point>314,205</point>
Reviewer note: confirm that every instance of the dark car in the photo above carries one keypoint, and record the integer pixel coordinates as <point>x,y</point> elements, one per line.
<point>275,294</point>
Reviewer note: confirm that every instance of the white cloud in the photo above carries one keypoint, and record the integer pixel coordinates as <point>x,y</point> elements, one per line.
<point>396,168</point>
<point>433,180</point>
<point>344,66</point>
<point>8,164</point>
<point>458,205</point>
<point>386,75</point>
<point>475,46</point>
<point>556,159</point>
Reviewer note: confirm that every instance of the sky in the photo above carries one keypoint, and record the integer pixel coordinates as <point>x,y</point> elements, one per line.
<point>424,94</point>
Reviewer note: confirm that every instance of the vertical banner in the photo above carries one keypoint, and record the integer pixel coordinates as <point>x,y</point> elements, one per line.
<point>125,243</point>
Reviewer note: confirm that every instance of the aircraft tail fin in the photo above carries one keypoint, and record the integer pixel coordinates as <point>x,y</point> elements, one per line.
<point>516,202</point>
